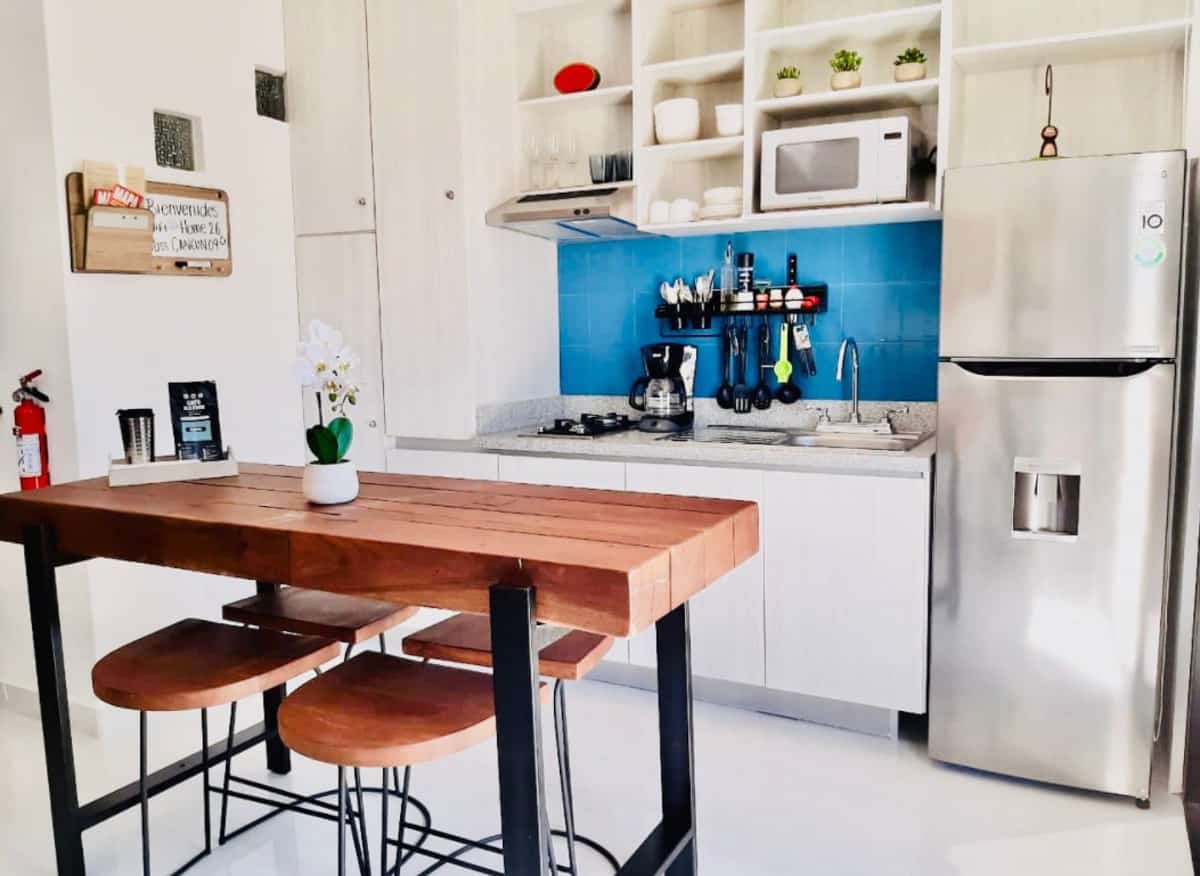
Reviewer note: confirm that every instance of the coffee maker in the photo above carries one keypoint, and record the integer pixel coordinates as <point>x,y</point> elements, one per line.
<point>665,392</point>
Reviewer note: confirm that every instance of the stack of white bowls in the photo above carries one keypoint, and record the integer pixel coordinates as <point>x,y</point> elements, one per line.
<point>724,202</point>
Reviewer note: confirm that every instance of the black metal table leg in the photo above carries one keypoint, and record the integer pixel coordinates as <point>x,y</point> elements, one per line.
<point>52,696</point>
<point>515,682</point>
<point>279,756</point>
<point>676,740</point>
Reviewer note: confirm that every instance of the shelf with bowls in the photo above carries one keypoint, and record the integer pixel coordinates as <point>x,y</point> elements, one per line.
<point>1101,45</point>
<point>613,95</point>
<point>822,217</point>
<point>699,70</point>
<point>696,150</point>
<point>867,98</point>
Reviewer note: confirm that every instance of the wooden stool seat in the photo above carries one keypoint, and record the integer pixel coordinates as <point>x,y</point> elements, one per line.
<point>467,638</point>
<point>349,619</point>
<point>197,664</point>
<point>377,710</point>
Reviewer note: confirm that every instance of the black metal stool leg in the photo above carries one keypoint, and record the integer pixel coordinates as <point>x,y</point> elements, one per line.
<point>225,783</point>
<point>145,800</point>
<point>564,771</point>
<point>403,815</point>
<point>207,786</point>
<point>383,823</point>
<point>341,822</point>
<point>364,859</point>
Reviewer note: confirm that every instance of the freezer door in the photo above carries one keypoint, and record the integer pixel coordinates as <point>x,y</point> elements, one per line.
<point>1075,258</point>
<point>1049,545</point>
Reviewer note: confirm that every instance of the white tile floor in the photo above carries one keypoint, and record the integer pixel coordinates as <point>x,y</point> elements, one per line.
<point>775,797</point>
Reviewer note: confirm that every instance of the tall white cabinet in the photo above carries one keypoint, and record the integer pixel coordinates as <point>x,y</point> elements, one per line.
<point>328,111</point>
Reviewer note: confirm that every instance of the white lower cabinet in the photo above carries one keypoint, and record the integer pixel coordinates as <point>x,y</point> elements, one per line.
<point>597,474</point>
<point>727,617</point>
<point>442,463</point>
<point>847,586</point>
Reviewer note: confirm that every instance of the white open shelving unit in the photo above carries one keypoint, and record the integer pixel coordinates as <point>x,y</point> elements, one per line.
<point>1121,76</point>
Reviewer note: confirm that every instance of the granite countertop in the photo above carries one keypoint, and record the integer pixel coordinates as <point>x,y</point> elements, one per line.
<point>511,428</point>
<point>634,445</point>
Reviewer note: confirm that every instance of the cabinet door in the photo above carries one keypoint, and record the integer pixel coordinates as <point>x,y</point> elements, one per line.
<point>726,617</point>
<point>329,115</point>
<point>335,276</point>
<point>847,587</point>
<point>415,106</point>
<point>594,474</point>
<point>442,463</point>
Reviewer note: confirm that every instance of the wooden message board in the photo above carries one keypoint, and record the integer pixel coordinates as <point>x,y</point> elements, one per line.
<point>191,231</point>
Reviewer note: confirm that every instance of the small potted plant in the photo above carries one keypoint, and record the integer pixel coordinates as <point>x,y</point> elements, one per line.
<point>324,364</point>
<point>910,65</point>
<point>787,82</point>
<point>846,66</point>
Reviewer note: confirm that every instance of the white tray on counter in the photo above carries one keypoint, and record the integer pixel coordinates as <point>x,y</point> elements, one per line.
<point>167,468</point>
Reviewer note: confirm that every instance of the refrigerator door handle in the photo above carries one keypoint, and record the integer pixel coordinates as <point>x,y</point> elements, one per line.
<point>1057,368</point>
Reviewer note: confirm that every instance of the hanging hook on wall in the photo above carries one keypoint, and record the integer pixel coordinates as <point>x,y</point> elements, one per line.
<point>1050,132</point>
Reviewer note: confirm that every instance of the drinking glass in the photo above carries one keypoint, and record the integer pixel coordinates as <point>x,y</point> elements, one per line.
<point>534,154</point>
<point>553,151</point>
<point>571,154</point>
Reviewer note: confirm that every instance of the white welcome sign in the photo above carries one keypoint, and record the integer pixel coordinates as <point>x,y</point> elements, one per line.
<point>189,228</point>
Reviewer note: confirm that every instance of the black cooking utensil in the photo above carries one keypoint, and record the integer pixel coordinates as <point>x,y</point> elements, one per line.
<point>725,390</point>
<point>762,392</point>
<point>742,393</point>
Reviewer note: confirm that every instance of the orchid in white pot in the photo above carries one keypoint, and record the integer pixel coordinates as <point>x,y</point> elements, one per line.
<point>327,367</point>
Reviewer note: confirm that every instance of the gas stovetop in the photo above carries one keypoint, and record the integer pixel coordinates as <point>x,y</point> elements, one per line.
<point>588,426</point>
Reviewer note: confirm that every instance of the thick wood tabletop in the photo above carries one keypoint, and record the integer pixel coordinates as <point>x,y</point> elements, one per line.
<point>606,561</point>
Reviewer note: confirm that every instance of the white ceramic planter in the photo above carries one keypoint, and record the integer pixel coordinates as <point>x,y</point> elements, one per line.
<point>910,72</point>
<point>330,484</point>
<point>788,87</point>
<point>844,79</point>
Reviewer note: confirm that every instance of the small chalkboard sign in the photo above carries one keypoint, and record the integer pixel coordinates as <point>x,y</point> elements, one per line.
<point>191,229</point>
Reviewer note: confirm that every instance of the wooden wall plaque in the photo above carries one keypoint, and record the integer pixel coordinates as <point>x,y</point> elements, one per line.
<point>191,233</point>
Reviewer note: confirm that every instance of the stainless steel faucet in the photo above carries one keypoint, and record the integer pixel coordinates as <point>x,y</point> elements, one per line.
<point>853,345</point>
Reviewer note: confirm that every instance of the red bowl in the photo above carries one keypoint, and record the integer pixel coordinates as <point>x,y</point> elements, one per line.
<point>574,78</point>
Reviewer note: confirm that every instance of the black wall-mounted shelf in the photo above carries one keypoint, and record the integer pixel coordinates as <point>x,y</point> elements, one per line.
<point>695,320</point>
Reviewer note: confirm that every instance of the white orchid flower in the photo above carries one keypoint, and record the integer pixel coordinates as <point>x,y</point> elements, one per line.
<point>323,363</point>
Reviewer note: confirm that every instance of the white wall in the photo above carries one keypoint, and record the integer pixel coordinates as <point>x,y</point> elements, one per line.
<point>513,277</point>
<point>33,325</point>
<point>110,65</point>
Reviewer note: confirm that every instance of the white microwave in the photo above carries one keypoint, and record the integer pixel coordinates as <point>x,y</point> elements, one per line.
<point>865,162</point>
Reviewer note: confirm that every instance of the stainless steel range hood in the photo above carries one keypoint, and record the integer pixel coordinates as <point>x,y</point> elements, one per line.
<point>570,214</point>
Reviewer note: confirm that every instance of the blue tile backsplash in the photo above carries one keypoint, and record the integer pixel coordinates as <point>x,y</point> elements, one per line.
<point>884,282</point>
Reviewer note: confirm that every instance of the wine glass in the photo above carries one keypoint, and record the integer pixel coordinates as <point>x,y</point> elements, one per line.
<point>553,151</point>
<point>534,154</point>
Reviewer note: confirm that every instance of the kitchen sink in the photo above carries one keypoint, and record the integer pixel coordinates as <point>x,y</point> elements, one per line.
<point>899,441</point>
<point>765,436</point>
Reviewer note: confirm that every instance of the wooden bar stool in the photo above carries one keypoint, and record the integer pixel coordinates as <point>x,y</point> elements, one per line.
<point>348,619</point>
<point>197,664</point>
<point>467,638</point>
<point>377,710</point>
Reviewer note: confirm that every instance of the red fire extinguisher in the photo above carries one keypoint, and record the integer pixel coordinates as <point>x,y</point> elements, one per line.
<point>29,418</point>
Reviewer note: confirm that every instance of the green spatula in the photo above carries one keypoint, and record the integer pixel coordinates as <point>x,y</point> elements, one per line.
<point>783,368</point>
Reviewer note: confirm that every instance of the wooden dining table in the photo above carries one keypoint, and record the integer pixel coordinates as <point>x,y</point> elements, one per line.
<point>531,557</point>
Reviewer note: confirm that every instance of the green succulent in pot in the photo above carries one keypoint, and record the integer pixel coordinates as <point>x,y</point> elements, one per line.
<point>789,72</point>
<point>845,61</point>
<point>910,65</point>
<point>911,56</point>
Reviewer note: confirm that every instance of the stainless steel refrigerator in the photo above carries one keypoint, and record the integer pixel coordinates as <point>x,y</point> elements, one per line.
<point>1056,399</point>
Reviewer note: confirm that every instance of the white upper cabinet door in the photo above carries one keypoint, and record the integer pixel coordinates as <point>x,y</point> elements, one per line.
<point>416,120</point>
<point>336,279</point>
<point>329,115</point>
<point>442,463</point>
<point>727,617</point>
<point>847,587</point>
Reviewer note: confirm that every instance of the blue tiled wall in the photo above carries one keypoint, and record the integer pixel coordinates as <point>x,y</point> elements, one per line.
<point>883,290</point>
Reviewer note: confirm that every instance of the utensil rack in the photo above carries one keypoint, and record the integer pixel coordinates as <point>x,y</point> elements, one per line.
<point>691,315</point>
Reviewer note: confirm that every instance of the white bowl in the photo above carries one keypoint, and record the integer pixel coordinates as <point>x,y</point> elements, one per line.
<point>682,210</point>
<point>720,211</point>
<point>723,195</point>
<point>730,119</point>
<point>677,120</point>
